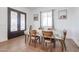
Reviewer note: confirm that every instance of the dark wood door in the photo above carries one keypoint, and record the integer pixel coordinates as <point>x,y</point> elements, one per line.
<point>16,23</point>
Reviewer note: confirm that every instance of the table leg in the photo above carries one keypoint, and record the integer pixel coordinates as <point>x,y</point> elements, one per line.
<point>39,40</point>
<point>54,43</point>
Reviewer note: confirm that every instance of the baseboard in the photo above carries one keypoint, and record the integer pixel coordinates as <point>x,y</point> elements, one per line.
<point>2,40</point>
<point>76,42</point>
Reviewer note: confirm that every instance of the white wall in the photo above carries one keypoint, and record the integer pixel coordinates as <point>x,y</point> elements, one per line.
<point>75,24</point>
<point>3,24</point>
<point>71,24</point>
<point>3,20</point>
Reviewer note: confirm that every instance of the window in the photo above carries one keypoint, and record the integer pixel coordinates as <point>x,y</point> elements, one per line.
<point>46,19</point>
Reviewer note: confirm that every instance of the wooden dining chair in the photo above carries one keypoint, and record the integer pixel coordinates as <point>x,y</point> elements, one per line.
<point>27,33</point>
<point>62,40</point>
<point>33,37</point>
<point>47,38</point>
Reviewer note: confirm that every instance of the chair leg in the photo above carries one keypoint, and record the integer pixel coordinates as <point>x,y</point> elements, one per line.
<point>34,43</point>
<point>46,45</point>
<point>30,42</point>
<point>25,38</point>
<point>65,46</point>
<point>54,44</point>
<point>51,44</point>
<point>39,40</point>
<point>43,42</point>
<point>62,45</point>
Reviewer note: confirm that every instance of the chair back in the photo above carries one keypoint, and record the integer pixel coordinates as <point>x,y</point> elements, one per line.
<point>30,28</point>
<point>47,34</point>
<point>33,32</point>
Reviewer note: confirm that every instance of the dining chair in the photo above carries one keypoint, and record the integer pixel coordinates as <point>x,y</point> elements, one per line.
<point>62,40</point>
<point>33,37</point>
<point>47,38</point>
<point>26,32</point>
<point>38,34</point>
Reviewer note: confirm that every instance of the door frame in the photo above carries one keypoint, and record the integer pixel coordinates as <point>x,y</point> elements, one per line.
<point>9,17</point>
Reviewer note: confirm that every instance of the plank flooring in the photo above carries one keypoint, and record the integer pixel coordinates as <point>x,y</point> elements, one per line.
<point>18,45</point>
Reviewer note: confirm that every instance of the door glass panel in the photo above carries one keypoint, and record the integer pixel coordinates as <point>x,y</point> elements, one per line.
<point>22,24</point>
<point>13,21</point>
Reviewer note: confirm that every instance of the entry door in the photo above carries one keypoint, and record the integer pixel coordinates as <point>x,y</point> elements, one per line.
<point>16,23</point>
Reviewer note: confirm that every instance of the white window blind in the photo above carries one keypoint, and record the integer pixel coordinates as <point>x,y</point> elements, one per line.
<point>46,19</point>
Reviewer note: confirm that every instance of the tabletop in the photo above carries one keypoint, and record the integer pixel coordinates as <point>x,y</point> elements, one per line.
<point>56,34</point>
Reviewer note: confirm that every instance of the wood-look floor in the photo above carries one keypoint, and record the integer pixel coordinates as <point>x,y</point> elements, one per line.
<point>18,45</point>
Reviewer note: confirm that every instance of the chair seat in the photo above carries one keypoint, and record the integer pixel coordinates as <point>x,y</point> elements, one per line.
<point>46,37</point>
<point>48,41</point>
<point>58,38</point>
<point>33,38</point>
